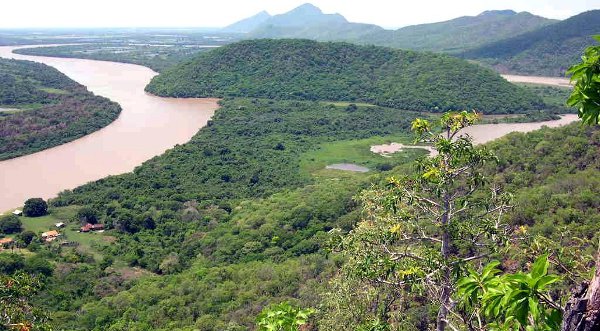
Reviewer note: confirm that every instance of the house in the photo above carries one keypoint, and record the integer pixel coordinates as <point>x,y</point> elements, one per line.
<point>60,225</point>
<point>92,227</point>
<point>86,228</point>
<point>17,212</point>
<point>50,235</point>
<point>97,227</point>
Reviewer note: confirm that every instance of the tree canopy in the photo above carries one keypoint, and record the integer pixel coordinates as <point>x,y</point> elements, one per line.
<point>308,70</point>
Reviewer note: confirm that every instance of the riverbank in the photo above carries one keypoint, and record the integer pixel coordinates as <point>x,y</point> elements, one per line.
<point>147,127</point>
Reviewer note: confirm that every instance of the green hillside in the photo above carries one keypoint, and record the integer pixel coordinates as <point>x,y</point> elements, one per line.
<point>460,34</point>
<point>550,50</point>
<point>221,263</point>
<point>308,70</point>
<point>41,108</point>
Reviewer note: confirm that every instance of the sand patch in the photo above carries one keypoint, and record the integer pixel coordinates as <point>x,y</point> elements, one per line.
<point>387,150</point>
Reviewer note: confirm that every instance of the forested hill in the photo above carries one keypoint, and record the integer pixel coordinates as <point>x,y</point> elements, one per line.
<point>41,108</point>
<point>460,34</point>
<point>550,50</point>
<point>309,70</point>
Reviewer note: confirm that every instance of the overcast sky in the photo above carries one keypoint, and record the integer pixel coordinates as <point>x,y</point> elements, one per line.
<point>217,13</point>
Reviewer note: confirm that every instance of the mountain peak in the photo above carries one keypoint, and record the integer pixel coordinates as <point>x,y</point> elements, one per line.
<point>303,16</point>
<point>248,24</point>
<point>307,8</point>
<point>507,12</point>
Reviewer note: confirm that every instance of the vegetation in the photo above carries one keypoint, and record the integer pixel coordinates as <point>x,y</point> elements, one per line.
<point>453,36</point>
<point>460,34</point>
<point>307,70</point>
<point>250,149</point>
<point>586,95</point>
<point>419,231</point>
<point>10,224</point>
<point>49,109</point>
<point>17,310</point>
<point>283,317</point>
<point>511,301</point>
<point>35,207</point>
<point>243,217</point>
<point>158,57</point>
<point>550,50</point>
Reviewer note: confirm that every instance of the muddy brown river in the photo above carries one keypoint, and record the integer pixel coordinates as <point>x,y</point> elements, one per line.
<point>147,126</point>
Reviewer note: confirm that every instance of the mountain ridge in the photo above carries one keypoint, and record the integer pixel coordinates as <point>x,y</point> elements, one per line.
<point>248,24</point>
<point>549,50</point>
<point>453,36</point>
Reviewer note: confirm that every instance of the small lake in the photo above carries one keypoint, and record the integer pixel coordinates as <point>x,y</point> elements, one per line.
<point>347,167</point>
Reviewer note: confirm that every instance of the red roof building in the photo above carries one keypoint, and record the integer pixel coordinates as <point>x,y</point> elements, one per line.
<point>92,227</point>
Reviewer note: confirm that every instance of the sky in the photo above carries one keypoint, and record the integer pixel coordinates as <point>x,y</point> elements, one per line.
<point>218,13</point>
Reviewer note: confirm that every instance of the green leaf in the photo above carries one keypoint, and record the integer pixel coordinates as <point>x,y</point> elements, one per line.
<point>544,281</point>
<point>540,267</point>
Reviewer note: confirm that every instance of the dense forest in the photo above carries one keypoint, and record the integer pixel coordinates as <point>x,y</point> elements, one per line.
<point>41,108</point>
<point>550,50</point>
<point>308,70</point>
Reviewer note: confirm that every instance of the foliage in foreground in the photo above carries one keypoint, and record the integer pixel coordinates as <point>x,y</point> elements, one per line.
<point>586,94</point>
<point>16,310</point>
<point>419,232</point>
<point>511,301</point>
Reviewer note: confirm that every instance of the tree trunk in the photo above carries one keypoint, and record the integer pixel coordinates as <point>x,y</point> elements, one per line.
<point>582,312</point>
<point>442,317</point>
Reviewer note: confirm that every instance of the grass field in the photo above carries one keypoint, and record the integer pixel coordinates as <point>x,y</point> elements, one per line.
<point>90,242</point>
<point>356,152</point>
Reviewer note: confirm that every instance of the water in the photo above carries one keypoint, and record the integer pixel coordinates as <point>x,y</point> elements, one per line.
<point>347,167</point>
<point>147,126</point>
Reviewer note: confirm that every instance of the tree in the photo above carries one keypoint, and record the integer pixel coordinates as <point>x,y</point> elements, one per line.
<point>582,312</point>
<point>35,207</point>
<point>586,78</point>
<point>283,317</point>
<point>27,237</point>
<point>87,215</point>
<point>17,312</point>
<point>419,232</point>
<point>10,224</point>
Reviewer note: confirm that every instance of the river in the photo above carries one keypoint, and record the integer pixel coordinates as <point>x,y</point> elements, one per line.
<point>147,126</point>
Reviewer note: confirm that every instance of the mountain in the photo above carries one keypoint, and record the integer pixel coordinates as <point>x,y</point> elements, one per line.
<point>309,22</point>
<point>453,36</point>
<point>305,14</point>
<point>549,50</point>
<point>248,24</point>
<point>462,33</point>
<point>309,70</point>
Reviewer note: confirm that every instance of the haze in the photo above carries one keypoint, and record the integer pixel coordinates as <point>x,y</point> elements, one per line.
<point>199,13</point>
